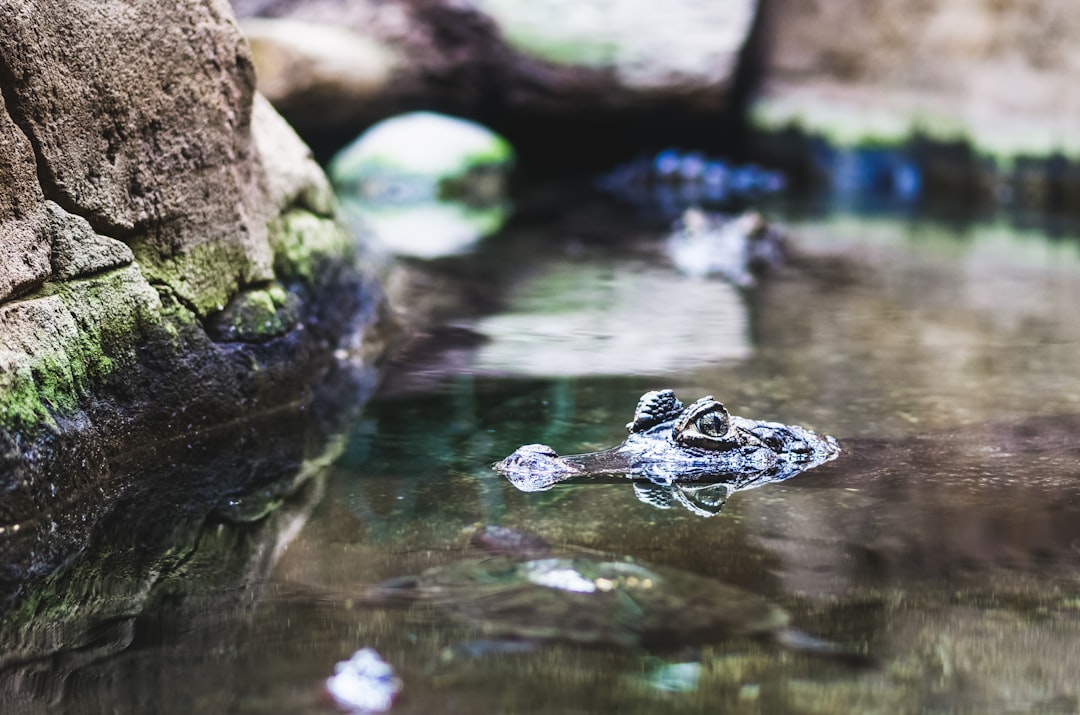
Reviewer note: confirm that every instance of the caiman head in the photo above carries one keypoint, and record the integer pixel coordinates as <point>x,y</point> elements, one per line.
<point>671,444</point>
<point>706,425</point>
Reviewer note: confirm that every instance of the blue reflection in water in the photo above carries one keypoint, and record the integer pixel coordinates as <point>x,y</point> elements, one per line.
<point>673,180</point>
<point>860,174</point>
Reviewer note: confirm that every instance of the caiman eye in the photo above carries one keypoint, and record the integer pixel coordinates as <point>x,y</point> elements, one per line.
<point>714,424</point>
<point>705,424</point>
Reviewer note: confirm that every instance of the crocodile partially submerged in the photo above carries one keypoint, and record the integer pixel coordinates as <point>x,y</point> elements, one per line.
<point>676,451</point>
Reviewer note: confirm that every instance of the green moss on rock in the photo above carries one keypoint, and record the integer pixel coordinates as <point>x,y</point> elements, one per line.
<point>421,149</point>
<point>195,275</point>
<point>21,404</point>
<point>300,239</point>
<point>256,316</point>
<point>66,336</point>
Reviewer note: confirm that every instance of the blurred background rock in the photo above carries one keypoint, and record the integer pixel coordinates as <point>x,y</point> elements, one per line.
<point>977,93</point>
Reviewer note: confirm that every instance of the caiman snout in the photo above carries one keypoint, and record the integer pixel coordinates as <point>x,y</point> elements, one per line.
<point>535,467</point>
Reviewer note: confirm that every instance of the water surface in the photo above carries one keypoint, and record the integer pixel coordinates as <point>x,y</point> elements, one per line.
<point>944,543</point>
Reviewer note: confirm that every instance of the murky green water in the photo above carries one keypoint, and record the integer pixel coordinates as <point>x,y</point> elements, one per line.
<point>944,543</point>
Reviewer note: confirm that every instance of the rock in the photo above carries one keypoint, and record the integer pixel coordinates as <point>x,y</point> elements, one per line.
<point>172,261</point>
<point>997,74</point>
<point>425,184</point>
<point>422,152</point>
<point>325,70</point>
<point>255,316</point>
<point>292,178</point>
<point>549,62</point>
<point>23,243</point>
<point>364,683</point>
<point>693,48</point>
<point>77,250</point>
<point>113,137</point>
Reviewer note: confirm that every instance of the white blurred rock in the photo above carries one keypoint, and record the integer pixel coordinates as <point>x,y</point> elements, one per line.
<point>364,683</point>
<point>420,147</point>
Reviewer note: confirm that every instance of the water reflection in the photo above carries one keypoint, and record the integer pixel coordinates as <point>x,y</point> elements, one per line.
<point>700,499</point>
<point>147,613</point>
<point>425,229</point>
<point>612,318</point>
<point>966,505</point>
<point>163,588</point>
<point>955,549</point>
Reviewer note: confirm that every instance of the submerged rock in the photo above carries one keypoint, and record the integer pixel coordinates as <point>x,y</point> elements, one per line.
<point>585,597</point>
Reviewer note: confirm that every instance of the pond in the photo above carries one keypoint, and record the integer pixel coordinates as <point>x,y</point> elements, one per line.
<point>942,546</point>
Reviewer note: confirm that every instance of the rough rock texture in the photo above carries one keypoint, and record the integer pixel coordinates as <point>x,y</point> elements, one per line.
<point>172,260</point>
<point>111,146</point>
<point>544,63</point>
<point>25,246</point>
<point>191,541</point>
<point>999,73</point>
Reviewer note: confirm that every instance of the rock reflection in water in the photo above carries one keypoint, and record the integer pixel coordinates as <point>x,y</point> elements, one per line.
<point>426,230</point>
<point>167,574</point>
<point>584,318</point>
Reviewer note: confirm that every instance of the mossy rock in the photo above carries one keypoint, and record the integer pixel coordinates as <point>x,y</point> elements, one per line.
<point>421,155</point>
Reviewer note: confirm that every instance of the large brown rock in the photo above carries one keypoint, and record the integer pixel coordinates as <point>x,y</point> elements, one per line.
<point>171,262</point>
<point>24,245</point>
<point>149,153</point>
